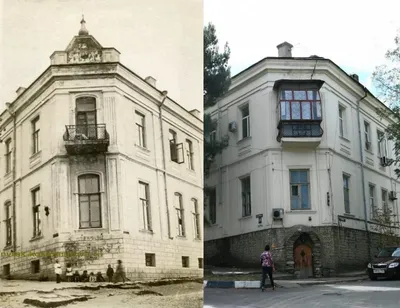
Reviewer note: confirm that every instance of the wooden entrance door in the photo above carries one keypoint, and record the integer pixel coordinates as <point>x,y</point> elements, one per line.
<point>303,260</point>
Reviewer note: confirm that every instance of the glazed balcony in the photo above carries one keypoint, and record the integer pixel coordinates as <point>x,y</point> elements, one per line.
<point>300,133</point>
<point>86,139</point>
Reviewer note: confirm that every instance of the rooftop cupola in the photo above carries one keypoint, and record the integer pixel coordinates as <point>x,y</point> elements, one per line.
<point>83,30</point>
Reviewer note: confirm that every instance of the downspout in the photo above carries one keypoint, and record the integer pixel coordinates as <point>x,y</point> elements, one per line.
<point>362,171</point>
<point>164,97</point>
<point>14,174</point>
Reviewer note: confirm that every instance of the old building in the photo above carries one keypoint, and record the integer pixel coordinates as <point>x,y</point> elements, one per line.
<point>96,165</point>
<point>306,169</point>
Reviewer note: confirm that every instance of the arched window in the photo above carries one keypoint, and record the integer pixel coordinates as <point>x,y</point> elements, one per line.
<point>86,117</point>
<point>180,214</point>
<point>89,201</point>
<point>7,220</point>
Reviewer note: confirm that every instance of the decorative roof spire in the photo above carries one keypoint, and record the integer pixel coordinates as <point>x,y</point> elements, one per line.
<point>83,30</point>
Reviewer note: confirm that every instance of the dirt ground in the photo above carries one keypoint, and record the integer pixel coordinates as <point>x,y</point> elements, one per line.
<point>185,295</point>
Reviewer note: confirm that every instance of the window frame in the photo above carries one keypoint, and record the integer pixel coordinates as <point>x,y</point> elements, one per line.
<point>141,129</point>
<point>212,206</point>
<point>196,219</point>
<point>8,222</point>
<point>245,117</point>
<point>98,194</point>
<point>299,185</point>
<point>367,136</point>
<point>342,121</point>
<point>245,186</point>
<point>145,206</point>
<point>382,144</point>
<point>346,193</point>
<point>385,203</point>
<point>7,156</point>
<point>180,213</point>
<point>35,135</point>
<point>189,154</point>
<point>36,198</point>
<point>372,203</point>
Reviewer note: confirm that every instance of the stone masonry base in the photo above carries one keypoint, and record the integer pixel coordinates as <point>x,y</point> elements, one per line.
<point>334,249</point>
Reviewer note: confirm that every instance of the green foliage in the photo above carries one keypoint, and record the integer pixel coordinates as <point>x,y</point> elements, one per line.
<point>217,73</point>
<point>385,225</point>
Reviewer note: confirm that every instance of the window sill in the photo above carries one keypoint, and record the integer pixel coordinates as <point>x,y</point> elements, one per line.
<point>146,231</point>
<point>91,229</point>
<point>144,149</point>
<point>349,215</point>
<point>243,140</point>
<point>8,247</point>
<point>198,239</point>
<point>36,238</point>
<point>7,178</point>
<point>246,217</point>
<point>182,237</point>
<point>369,152</point>
<point>305,211</point>
<point>35,159</point>
<point>344,138</point>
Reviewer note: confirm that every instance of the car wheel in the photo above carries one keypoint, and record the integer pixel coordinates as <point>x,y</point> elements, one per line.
<point>372,277</point>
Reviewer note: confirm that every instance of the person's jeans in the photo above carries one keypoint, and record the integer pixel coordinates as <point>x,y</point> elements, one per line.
<point>267,270</point>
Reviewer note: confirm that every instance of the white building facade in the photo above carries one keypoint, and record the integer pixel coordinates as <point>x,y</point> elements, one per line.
<point>99,165</point>
<point>306,168</point>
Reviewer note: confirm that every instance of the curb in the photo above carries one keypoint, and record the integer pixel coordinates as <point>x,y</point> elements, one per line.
<point>279,283</point>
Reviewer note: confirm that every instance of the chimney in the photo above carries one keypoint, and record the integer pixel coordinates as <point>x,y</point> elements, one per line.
<point>285,50</point>
<point>151,81</point>
<point>355,77</point>
<point>195,112</point>
<point>20,90</point>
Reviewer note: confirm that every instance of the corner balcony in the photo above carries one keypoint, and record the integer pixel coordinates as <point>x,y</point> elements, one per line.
<point>86,139</point>
<point>300,133</point>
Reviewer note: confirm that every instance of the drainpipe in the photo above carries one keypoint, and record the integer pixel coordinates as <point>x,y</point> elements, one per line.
<point>362,170</point>
<point>164,97</point>
<point>14,174</point>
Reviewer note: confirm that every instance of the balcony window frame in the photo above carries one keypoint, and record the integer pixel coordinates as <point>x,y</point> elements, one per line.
<point>35,135</point>
<point>89,196</point>
<point>299,185</point>
<point>145,205</point>
<point>83,129</point>
<point>382,144</point>
<point>141,129</point>
<point>286,104</point>
<point>8,154</point>
<point>245,184</point>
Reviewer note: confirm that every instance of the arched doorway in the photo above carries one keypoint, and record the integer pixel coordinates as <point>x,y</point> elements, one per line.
<point>303,256</point>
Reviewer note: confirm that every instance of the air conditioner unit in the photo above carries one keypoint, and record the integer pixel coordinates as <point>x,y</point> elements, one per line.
<point>232,127</point>
<point>384,161</point>
<point>392,195</point>
<point>277,214</point>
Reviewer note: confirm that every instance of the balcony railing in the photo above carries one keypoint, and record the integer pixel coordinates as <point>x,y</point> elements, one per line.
<point>299,129</point>
<point>85,139</point>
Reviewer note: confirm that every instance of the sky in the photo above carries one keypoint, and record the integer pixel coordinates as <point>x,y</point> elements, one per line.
<point>159,38</point>
<point>354,34</point>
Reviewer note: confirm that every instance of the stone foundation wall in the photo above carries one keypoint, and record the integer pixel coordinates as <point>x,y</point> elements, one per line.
<point>94,253</point>
<point>335,249</point>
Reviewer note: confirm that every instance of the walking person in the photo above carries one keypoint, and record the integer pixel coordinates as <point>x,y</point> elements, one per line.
<point>268,267</point>
<point>57,271</point>
<point>120,272</point>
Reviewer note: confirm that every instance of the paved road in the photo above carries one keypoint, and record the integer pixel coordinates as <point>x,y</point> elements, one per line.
<point>366,294</point>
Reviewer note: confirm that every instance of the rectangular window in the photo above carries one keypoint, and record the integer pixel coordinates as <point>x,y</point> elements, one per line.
<point>245,121</point>
<point>6,270</point>
<point>342,121</point>
<point>144,199</point>
<point>35,135</point>
<point>200,262</point>
<point>346,193</point>
<point>89,201</point>
<point>37,228</point>
<point>180,214</point>
<point>172,146</point>
<point>300,190</point>
<point>212,205</point>
<point>385,205</point>
<point>35,266</point>
<point>213,136</point>
<point>300,105</point>
<point>367,136</point>
<point>382,144</point>
<point>196,219</point>
<point>246,196</point>
<point>150,259</point>
<point>7,208</point>
<point>372,200</point>
<point>8,155</point>
<point>185,261</point>
<point>140,127</point>
<point>189,154</point>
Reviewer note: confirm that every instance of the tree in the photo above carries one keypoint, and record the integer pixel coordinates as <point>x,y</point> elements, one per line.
<point>387,80</point>
<point>217,80</point>
<point>385,225</point>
